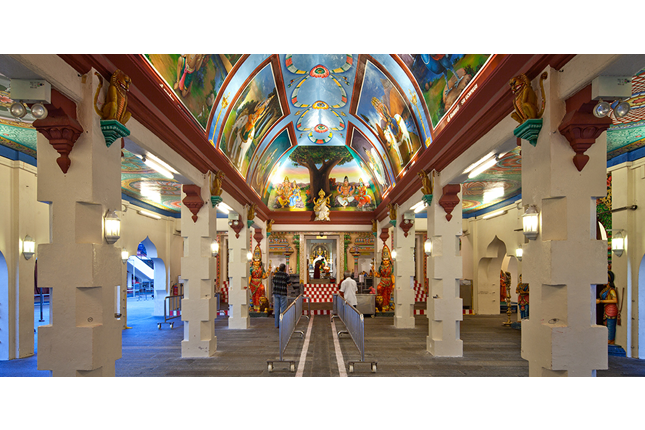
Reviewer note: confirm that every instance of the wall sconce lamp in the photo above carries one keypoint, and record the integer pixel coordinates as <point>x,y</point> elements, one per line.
<point>28,247</point>
<point>393,254</point>
<point>427,247</point>
<point>215,248</point>
<point>530,223</point>
<point>124,256</point>
<point>618,243</point>
<point>519,252</point>
<point>249,256</point>
<point>112,227</point>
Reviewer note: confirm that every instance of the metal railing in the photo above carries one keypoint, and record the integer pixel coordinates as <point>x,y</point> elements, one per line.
<point>171,310</point>
<point>288,321</point>
<point>355,325</point>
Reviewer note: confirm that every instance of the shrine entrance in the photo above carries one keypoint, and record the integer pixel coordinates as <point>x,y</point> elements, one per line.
<point>322,262</point>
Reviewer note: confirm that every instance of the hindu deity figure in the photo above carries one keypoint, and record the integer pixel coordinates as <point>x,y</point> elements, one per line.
<point>244,131</point>
<point>392,130</point>
<point>257,273</point>
<point>295,200</point>
<point>609,297</point>
<point>386,285</point>
<point>321,207</point>
<point>362,198</point>
<point>345,191</point>
<point>187,65</point>
<point>522,291</point>
<point>284,192</point>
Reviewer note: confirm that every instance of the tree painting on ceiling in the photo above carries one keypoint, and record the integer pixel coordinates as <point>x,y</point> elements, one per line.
<point>384,110</point>
<point>195,78</point>
<point>443,78</point>
<point>370,156</point>
<point>269,161</point>
<point>256,110</point>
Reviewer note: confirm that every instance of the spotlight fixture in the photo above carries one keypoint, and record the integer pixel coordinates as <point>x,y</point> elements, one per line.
<point>39,111</point>
<point>602,109</point>
<point>18,110</point>
<point>621,109</point>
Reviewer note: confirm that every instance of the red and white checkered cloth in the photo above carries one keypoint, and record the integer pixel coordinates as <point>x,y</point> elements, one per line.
<point>320,293</point>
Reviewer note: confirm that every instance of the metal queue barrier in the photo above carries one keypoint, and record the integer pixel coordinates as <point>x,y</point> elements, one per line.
<point>172,309</point>
<point>288,321</point>
<point>355,324</point>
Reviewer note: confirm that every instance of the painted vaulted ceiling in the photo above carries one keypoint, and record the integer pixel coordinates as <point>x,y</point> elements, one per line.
<point>349,124</point>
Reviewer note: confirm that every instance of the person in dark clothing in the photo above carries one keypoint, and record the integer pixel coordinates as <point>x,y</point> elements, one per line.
<point>280,283</point>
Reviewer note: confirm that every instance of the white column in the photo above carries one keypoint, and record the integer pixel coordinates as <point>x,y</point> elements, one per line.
<point>83,271</point>
<point>404,273</point>
<point>564,263</point>
<point>445,308</point>
<point>198,268</point>
<point>238,271</point>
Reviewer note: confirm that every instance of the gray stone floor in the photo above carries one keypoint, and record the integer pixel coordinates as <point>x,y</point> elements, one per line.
<point>490,350</point>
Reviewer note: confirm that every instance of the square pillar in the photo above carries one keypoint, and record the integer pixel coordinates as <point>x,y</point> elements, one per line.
<point>238,270</point>
<point>404,271</point>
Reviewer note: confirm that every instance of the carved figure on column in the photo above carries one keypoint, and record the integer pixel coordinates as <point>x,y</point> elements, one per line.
<point>522,291</point>
<point>426,183</point>
<point>386,285</point>
<point>116,100</point>
<point>525,99</point>
<point>216,186</point>
<point>250,215</point>
<point>392,210</point>
<point>257,273</point>
<point>609,296</point>
<point>321,207</point>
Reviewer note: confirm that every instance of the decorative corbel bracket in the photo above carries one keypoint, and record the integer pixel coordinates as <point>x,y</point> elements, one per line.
<point>385,234</point>
<point>113,130</point>
<point>60,127</point>
<point>193,200</point>
<point>406,225</point>
<point>258,235</point>
<point>582,128</point>
<point>236,225</point>
<point>449,199</point>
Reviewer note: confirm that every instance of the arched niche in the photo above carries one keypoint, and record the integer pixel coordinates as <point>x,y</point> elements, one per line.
<point>487,289</point>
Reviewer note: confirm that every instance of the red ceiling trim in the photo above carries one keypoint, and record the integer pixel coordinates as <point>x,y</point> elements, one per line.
<point>358,83</point>
<point>336,217</point>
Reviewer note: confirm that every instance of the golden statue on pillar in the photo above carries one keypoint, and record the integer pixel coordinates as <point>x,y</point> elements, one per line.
<point>525,99</point>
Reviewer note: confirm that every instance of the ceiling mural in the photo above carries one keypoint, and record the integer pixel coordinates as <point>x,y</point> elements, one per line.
<point>255,110</point>
<point>147,185</point>
<point>195,78</point>
<point>501,182</point>
<point>628,133</point>
<point>443,78</point>
<point>370,157</point>
<point>20,136</point>
<point>269,161</point>
<point>384,110</point>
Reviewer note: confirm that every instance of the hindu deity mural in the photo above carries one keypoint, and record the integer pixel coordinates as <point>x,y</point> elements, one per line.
<point>385,111</point>
<point>269,162</point>
<point>372,158</point>
<point>257,274</point>
<point>195,78</point>
<point>256,109</point>
<point>443,78</point>
<point>385,287</point>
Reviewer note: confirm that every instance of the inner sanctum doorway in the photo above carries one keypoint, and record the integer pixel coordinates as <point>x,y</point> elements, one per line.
<point>321,253</point>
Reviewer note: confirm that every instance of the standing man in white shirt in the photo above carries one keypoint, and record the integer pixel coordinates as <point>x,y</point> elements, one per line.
<point>348,289</point>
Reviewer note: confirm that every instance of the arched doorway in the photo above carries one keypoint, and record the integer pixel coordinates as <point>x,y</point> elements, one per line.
<point>487,290</point>
<point>147,278</point>
<point>4,309</point>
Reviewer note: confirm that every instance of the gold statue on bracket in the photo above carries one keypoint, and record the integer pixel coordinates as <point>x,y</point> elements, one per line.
<point>116,100</point>
<point>525,99</point>
<point>216,182</point>
<point>426,183</point>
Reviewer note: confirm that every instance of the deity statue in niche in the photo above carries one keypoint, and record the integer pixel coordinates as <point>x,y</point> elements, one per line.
<point>284,191</point>
<point>609,297</point>
<point>362,198</point>
<point>321,207</point>
<point>386,285</point>
<point>502,287</point>
<point>295,200</point>
<point>345,193</point>
<point>257,273</point>
<point>522,291</point>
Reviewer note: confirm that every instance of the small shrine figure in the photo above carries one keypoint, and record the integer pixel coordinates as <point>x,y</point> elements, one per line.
<point>345,191</point>
<point>321,207</point>
<point>284,192</point>
<point>609,296</point>
<point>386,285</point>
<point>522,291</point>
<point>257,273</point>
<point>362,198</point>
